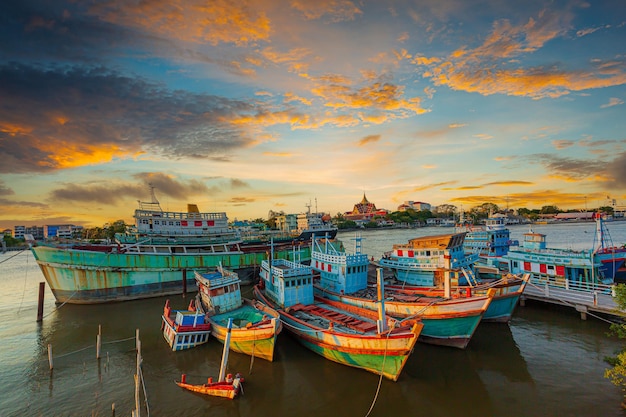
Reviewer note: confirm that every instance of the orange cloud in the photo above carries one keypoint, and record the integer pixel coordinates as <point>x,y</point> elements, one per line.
<point>337,10</point>
<point>77,154</point>
<point>213,22</point>
<point>487,69</point>
<point>369,139</point>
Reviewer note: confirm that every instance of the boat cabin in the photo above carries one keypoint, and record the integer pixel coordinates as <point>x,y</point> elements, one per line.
<point>338,270</point>
<point>220,290</point>
<point>287,282</point>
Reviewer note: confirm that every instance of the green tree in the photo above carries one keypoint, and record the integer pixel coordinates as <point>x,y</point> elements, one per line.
<point>617,374</point>
<point>549,210</point>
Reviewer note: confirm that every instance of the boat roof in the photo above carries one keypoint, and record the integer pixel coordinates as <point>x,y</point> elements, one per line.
<point>215,279</point>
<point>437,241</point>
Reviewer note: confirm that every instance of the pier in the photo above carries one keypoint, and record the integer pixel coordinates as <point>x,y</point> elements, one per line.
<point>585,299</point>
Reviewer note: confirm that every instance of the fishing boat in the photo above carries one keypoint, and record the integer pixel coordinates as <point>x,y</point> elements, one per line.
<point>490,241</point>
<point>255,326</point>
<point>314,224</point>
<point>184,329</point>
<point>355,337</point>
<point>227,385</point>
<point>582,279</point>
<point>154,258</point>
<point>424,265</point>
<point>343,278</point>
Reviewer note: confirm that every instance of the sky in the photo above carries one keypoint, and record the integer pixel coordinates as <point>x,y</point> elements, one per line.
<point>255,106</point>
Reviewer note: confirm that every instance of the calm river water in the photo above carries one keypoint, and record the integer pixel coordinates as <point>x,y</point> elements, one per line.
<point>546,362</point>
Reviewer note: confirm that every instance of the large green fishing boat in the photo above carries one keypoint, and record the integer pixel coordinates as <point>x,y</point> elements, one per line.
<point>157,257</point>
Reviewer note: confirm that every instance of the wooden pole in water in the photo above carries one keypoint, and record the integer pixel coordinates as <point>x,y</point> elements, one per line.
<point>42,291</point>
<point>113,410</point>
<point>50,356</point>
<point>99,341</point>
<point>137,402</point>
<point>222,376</point>
<point>184,282</point>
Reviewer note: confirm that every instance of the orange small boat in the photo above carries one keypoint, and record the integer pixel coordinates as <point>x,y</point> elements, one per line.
<point>229,388</point>
<point>226,386</point>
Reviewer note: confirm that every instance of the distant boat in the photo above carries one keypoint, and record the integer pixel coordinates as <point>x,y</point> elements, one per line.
<point>227,385</point>
<point>344,334</point>
<point>155,258</point>
<point>315,224</point>
<point>343,278</point>
<point>255,326</point>
<point>184,329</point>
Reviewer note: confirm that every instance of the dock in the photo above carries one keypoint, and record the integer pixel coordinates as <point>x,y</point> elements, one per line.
<point>586,299</point>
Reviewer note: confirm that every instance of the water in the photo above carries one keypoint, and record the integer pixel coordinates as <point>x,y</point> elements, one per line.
<point>547,362</point>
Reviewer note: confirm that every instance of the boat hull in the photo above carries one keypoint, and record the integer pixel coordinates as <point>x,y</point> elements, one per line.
<point>256,337</point>
<point>183,340</point>
<point>447,323</point>
<point>217,389</point>
<point>384,354</point>
<point>507,293</point>
<point>93,277</point>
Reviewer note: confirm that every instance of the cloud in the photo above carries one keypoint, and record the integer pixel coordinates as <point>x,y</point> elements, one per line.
<point>112,193</point>
<point>612,102</point>
<point>4,190</point>
<point>336,10</point>
<point>608,174</point>
<point>369,139</point>
<point>563,144</point>
<point>490,68</point>
<point>236,183</point>
<point>213,22</point>
<point>65,117</point>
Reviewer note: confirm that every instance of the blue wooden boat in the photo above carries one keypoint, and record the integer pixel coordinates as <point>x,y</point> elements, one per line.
<point>345,334</point>
<point>255,326</point>
<point>583,279</point>
<point>184,329</point>
<point>439,266</point>
<point>343,278</point>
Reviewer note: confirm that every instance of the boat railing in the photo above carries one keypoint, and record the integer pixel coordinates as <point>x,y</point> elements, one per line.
<point>284,268</point>
<point>346,259</point>
<point>599,297</point>
<point>392,263</point>
<point>562,282</point>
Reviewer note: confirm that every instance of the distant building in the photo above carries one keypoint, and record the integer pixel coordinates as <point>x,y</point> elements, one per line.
<point>574,216</point>
<point>287,222</point>
<point>7,232</point>
<point>19,232</point>
<point>35,231</point>
<point>414,205</point>
<point>364,212</point>
<point>62,231</point>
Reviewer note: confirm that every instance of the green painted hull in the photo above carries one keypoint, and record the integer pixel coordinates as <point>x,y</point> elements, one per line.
<point>92,277</point>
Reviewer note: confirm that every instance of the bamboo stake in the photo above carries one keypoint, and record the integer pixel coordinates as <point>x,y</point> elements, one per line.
<point>42,287</point>
<point>50,355</point>
<point>99,341</point>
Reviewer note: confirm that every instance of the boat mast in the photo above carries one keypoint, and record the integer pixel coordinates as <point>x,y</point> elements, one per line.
<point>382,322</point>
<point>222,376</point>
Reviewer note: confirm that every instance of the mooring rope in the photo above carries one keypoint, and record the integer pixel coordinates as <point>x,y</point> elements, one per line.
<point>380,379</point>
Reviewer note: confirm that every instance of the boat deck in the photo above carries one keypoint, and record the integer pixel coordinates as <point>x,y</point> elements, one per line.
<point>336,317</point>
